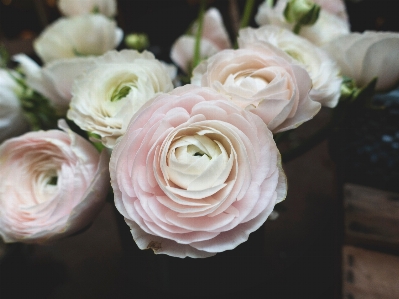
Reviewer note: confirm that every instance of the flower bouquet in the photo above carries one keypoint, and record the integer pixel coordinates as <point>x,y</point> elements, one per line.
<point>191,149</point>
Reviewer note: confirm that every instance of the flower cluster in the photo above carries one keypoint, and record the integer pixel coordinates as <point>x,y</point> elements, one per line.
<point>194,169</point>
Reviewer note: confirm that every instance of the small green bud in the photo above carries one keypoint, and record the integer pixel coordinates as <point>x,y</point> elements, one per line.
<point>137,41</point>
<point>301,13</point>
<point>348,88</point>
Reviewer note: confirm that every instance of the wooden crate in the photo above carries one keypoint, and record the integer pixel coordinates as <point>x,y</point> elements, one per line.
<point>369,274</point>
<point>371,217</point>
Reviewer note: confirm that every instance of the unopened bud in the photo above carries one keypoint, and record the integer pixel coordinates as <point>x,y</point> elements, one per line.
<point>301,12</point>
<point>137,41</point>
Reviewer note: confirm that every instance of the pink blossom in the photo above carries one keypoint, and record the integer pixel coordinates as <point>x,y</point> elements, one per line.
<point>194,174</point>
<point>52,184</point>
<point>263,80</point>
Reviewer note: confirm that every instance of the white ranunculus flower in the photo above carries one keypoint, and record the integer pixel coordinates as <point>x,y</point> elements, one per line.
<point>364,56</point>
<point>79,7</point>
<point>54,80</point>
<point>322,69</point>
<point>327,27</point>
<point>12,120</point>
<point>85,35</point>
<point>105,99</point>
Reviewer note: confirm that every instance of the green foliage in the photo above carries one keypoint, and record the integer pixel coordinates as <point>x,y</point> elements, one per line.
<point>38,110</point>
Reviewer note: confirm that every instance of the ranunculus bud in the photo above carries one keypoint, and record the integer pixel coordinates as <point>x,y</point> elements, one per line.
<point>302,12</point>
<point>137,41</point>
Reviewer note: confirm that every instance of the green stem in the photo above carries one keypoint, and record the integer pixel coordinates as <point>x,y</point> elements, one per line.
<point>249,6</point>
<point>297,28</point>
<point>197,47</point>
<point>246,16</point>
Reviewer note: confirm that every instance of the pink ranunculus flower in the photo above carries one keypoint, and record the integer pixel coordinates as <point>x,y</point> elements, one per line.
<point>322,69</point>
<point>214,38</point>
<point>194,174</point>
<point>263,80</point>
<point>52,184</point>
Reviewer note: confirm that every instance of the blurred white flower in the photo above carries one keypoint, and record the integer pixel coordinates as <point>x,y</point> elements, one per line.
<point>214,38</point>
<point>322,69</point>
<point>12,119</point>
<point>105,99</point>
<point>79,7</point>
<point>54,80</point>
<point>364,56</point>
<point>327,27</point>
<point>336,7</point>
<point>84,35</point>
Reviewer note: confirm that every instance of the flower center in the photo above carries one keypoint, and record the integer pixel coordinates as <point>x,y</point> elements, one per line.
<point>197,162</point>
<point>122,90</point>
<point>252,83</point>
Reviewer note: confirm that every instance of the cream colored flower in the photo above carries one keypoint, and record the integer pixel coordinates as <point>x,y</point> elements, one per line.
<point>79,7</point>
<point>327,27</point>
<point>85,35</point>
<point>12,119</point>
<point>322,69</point>
<point>364,56</point>
<point>105,99</point>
